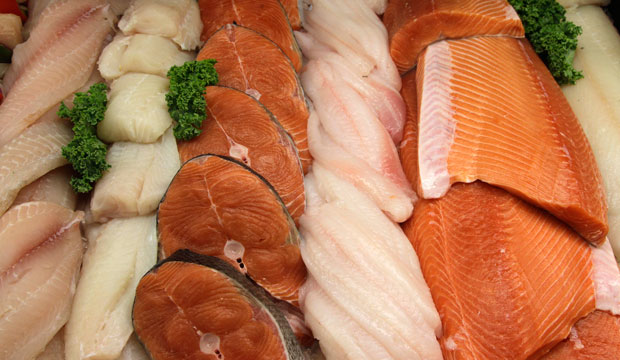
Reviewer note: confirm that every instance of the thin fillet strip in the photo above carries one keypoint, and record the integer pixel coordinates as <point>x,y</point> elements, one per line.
<point>57,60</point>
<point>490,110</point>
<point>413,25</point>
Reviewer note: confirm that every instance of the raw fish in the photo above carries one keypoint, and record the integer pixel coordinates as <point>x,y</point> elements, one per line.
<point>137,109</point>
<point>57,59</point>
<point>119,253</point>
<point>294,12</point>
<point>503,119</point>
<point>133,350</point>
<point>55,349</point>
<point>52,187</point>
<point>137,180</point>
<point>378,6</point>
<point>35,8</point>
<point>409,146</point>
<point>10,30</point>
<point>576,3</point>
<point>31,155</point>
<point>39,268</point>
<point>178,20</point>
<point>150,54</point>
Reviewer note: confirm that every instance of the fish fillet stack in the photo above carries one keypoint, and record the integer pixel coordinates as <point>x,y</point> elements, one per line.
<point>365,297</point>
<point>122,239</point>
<point>511,228</point>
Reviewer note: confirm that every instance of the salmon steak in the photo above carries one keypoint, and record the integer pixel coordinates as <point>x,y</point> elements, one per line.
<point>508,279</point>
<point>266,17</point>
<point>293,12</point>
<point>250,62</point>
<point>217,206</point>
<point>414,24</point>
<point>240,127</point>
<point>503,119</point>
<point>193,306</point>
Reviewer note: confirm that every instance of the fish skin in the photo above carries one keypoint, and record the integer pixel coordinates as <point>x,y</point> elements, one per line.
<point>517,132</point>
<point>31,155</point>
<point>498,299</point>
<point>240,127</point>
<point>44,71</point>
<point>39,269</point>
<point>52,187</point>
<point>413,25</point>
<point>250,62</point>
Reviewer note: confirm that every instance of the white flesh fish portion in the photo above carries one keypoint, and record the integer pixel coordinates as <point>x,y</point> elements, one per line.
<point>137,109</point>
<point>56,60</point>
<point>378,6</point>
<point>595,99</point>
<point>133,350</point>
<point>39,267</point>
<point>55,349</point>
<point>178,20</point>
<point>119,253</point>
<point>149,54</point>
<point>52,187</point>
<point>575,3</point>
<point>31,155</point>
<point>137,180</point>
<point>35,8</point>
<point>10,30</point>
<point>353,30</point>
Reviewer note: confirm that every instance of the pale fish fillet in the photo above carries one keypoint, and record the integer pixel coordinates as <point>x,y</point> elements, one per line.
<point>39,267</point>
<point>31,155</point>
<point>378,6</point>
<point>57,59</point>
<point>133,350</point>
<point>137,109</point>
<point>365,265</point>
<point>396,202</point>
<point>52,187</point>
<point>575,3</point>
<point>10,30</point>
<point>352,29</point>
<point>137,180</point>
<point>150,54</point>
<point>55,349</point>
<point>595,99</point>
<point>119,253</point>
<point>35,8</point>
<point>178,20</point>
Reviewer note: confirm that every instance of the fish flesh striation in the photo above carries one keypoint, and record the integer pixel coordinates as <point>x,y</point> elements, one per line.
<point>31,155</point>
<point>353,30</point>
<point>408,149</point>
<point>239,126</point>
<point>52,187</point>
<point>294,12</point>
<point>594,100</point>
<point>363,273</point>
<point>137,179</point>
<point>250,62</point>
<point>39,269</point>
<point>487,255</point>
<point>119,253</point>
<point>56,60</point>
<point>413,25</point>
<point>143,53</point>
<point>267,17</point>
<point>178,20</point>
<point>489,110</point>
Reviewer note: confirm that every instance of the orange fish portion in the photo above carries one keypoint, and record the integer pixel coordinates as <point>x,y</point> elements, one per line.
<point>266,17</point>
<point>414,24</point>
<point>219,207</point>
<point>408,150</point>
<point>250,62</point>
<point>240,127</point>
<point>292,12</point>
<point>493,265</point>
<point>490,110</point>
<point>595,337</point>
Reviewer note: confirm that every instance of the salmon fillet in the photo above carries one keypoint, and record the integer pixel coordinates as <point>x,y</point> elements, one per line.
<point>239,126</point>
<point>293,12</point>
<point>266,17</point>
<point>509,280</point>
<point>408,150</point>
<point>252,63</point>
<point>488,109</point>
<point>413,25</point>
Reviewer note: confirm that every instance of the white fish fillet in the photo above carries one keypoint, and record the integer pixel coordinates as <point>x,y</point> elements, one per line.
<point>31,155</point>
<point>575,3</point>
<point>378,6</point>
<point>10,30</point>
<point>39,266</point>
<point>35,8</point>
<point>119,253</point>
<point>133,350</point>
<point>55,349</point>
<point>137,109</point>
<point>140,53</point>
<point>178,20</point>
<point>52,187</point>
<point>137,180</point>
<point>595,100</point>
<point>57,59</point>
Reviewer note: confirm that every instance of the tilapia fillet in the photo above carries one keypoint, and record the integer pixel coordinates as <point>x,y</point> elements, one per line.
<point>39,267</point>
<point>488,109</point>
<point>57,59</point>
